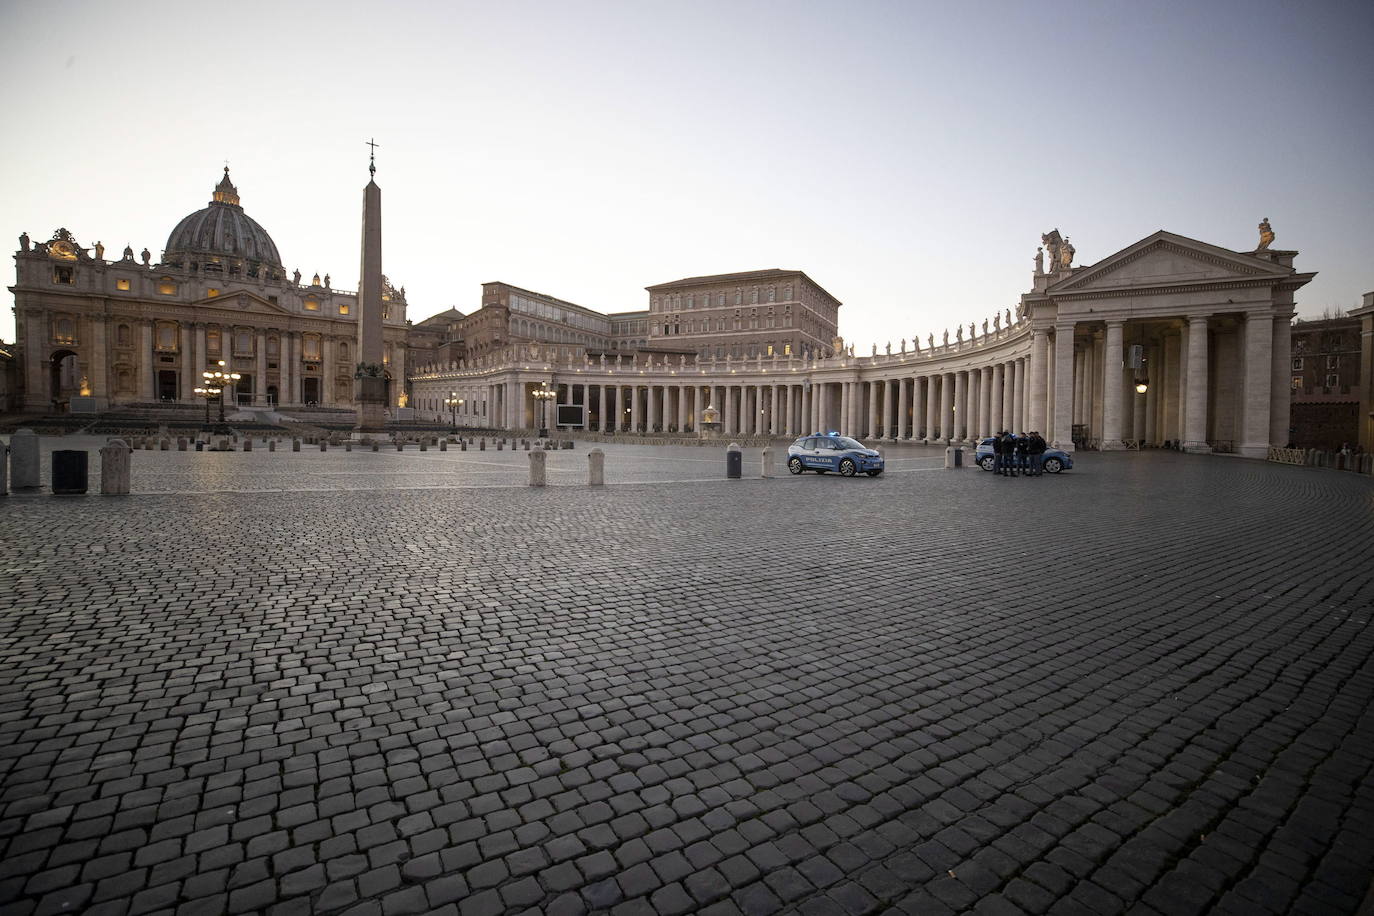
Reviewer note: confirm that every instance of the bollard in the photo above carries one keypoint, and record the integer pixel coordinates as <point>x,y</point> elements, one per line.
<point>24,460</point>
<point>734,461</point>
<point>376,446</point>
<point>498,446</point>
<point>463,446</point>
<point>164,444</point>
<point>148,444</point>
<point>424,446</point>
<point>400,446</point>
<point>248,445</point>
<point>324,445</point>
<point>295,445</point>
<point>482,446</point>
<point>69,475</point>
<point>222,445</point>
<point>348,445</point>
<point>767,470</point>
<point>271,445</point>
<point>537,471</point>
<point>200,446</point>
<point>116,459</point>
<point>596,468</point>
<point>443,445</point>
<point>181,443</point>
<point>4,470</point>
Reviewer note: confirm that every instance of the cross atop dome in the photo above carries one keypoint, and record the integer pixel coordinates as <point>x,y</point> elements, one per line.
<point>225,192</point>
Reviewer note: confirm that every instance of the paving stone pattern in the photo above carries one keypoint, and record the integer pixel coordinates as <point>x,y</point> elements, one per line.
<point>1141,686</point>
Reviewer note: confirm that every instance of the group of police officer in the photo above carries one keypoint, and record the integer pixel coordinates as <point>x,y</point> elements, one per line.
<point>1022,453</point>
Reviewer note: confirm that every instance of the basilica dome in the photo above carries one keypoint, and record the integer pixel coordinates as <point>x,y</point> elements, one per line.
<point>222,233</point>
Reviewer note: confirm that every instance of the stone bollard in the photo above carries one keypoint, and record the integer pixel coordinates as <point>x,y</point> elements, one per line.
<point>443,445</point>
<point>400,446</point>
<point>734,461</point>
<point>116,460</point>
<point>482,446</point>
<point>538,476</point>
<point>164,444</point>
<point>324,445</point>
<point>148,444</point>
<point>295,445</point>
<point>424,446</point>
<point>24,460</point>
<point>348,445</point>
<point>767,469</point>
<point>181,443</point>
<point>4,470</point>
<point>462,445</point>
<point>376,446</point>
<point>222,445</point>
<point>271,445</point>
<point>433,440</point>
<point>248,444</point>
<point>596,468</point>
<point>498,446</point>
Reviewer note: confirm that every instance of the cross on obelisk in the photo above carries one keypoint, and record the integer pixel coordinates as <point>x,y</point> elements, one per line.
<point>372,157</point>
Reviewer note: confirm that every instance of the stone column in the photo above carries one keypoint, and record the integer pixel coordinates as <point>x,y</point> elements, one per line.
<point>1063,387</point>
<point>1111,389</point>
<point>147,361</point>
<point>201,361</point>
<point>1195,422</point>
<point>1038,393</point>
<point>327,375</point>
<point>903,425</point>
<point>99,374</point>
<point>1259,370</point>
<point>398,373</point>
<point>37,395</point>
<point>1018,401</point>
<point>960,406</point>
<point>932,414</point>
<point>996,393</point>
<point>947,399</point>
<point>1008,394</point>
<point>189,376</point>
<point>728,411</point>
<point>1153,363</point>
<point>602,405</point>
<point>260,372</point>
<point>1280,384</point>
<point>986,397</point>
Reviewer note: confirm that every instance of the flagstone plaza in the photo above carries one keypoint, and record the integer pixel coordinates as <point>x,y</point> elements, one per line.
<point>404,683</point>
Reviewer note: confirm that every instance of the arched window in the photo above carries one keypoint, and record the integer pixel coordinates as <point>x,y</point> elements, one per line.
<point>64,331</point>
<point>772,293</point>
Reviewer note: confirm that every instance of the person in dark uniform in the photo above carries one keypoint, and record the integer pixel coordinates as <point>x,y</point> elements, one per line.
<point>997,453</point>
<point>1035,449</point>
<point>1022,462</point>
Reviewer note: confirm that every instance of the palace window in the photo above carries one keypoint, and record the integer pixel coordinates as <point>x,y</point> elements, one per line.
<point>312,305</point>
<point>122,285</point>
<point>64,331</point>
<point>770,350</point>
<point>772,293</point>
<point>312,347</point>
<point>212,292</point>
<point>787,293</point>
<point>212,341</point>
<point>691,302</point>
<point>243,342</point>
<point>1333,362</point>
<point>272,346</point>
<point>754,296</point>
<point>1333,381</point>
<point>1297,383</point>
<point>122,335</point>
<point>737,295</point>
<point>167,286</point>
<point>1297,364</point>
<point>166,337</point>
<point>62,274</point>
<point>343,308</point>
<point>787,349</point>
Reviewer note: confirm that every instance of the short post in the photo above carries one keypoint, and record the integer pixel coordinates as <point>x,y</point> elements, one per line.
<point>463,446</point>
<point>116,460</point>
<point>767,470</point>
<point>24,459</point>
<point>400,446</point>
<point>596,467</point>
<point>222,445</point>
<point>424,445</point>
<point>181,443</point>
<point>4,470</point>
<point>376,446</point>
<point>538,476</point>
<point>271,445</point>
<point>734,461</point>
<point>499,445</point>
<point>148,444</point>
<point>348,445</point>
<point>443,445</point>
<point>164,444</point>
<point>248,445</point>
<point>69,474</point>
<point>324,445</point>
<point>295,445</point>
<point>482,446</point>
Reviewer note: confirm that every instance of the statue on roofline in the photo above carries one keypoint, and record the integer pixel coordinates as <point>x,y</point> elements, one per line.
<point>1266,234</point>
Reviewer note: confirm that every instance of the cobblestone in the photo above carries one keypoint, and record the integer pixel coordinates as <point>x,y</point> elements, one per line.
<point>278,682</point>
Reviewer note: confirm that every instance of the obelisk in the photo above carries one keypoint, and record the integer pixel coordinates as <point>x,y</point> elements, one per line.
<point>370,393</point>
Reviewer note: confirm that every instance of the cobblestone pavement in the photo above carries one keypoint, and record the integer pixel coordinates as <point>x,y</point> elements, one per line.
<point>1143,685</point>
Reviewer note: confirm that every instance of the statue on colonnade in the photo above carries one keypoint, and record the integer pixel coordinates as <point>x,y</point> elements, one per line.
<point>1266,234</point>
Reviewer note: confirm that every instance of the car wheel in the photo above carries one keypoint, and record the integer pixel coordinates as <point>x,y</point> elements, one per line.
<point>1054,465</point>
<point>847,468</point>
<point>986,463</point>
<point>794,465</point>
<point>874,473</point>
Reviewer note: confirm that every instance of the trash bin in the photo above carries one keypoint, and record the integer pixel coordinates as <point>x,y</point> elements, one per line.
<point>68,472</point>
<point>734,462</point>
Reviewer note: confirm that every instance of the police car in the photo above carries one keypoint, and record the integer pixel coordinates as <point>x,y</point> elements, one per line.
<point>822,452</point>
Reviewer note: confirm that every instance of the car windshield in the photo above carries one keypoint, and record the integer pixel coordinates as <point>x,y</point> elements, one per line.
<point>846,442</point>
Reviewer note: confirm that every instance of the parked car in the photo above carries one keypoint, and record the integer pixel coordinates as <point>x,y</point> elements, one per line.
<point>1055,460</point>
<point>824,452</point>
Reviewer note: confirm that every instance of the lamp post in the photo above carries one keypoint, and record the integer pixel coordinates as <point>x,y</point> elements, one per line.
<point>216,381</point>
<point>453,402</point>
<point>545,394</point>
<point>208,392</point>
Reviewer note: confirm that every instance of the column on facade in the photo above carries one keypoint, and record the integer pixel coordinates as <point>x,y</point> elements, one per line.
<point>189,375</point>
<point>902,426</point>
<point>1063,387</point>
<point>996,393</point>
<point>1018,398</point>
<point>1195,420</point>
<point>260,370</point>
<point>960,406</point>
<point>1255,416</point>
<point>986,397</point>
<point>286,390</point>
<point>1280,392</point>
<point>602,406</point>
<point>1037,388</point>
<point>1078,399</point>
<point>932,412</point>
<point>946,424</point>
<point>326,369</point>
<point>147,361</point>
<point>1151,398</point>
<point>1111,388</point>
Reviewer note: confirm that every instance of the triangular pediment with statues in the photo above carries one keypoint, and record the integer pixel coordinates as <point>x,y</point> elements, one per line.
<point>1167,259</point>
<point>243,302</point>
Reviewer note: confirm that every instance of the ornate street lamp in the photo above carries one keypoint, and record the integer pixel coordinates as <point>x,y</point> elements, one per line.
<point>1142,385</point>
<point>453,402</point>
<point>216,381</point>
<point>544,394</point>
<point>209,393</point>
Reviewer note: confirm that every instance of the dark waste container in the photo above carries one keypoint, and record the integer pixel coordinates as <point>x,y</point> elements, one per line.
<point>200,446</point>
<point>734,462</point>
<point>68,472</point>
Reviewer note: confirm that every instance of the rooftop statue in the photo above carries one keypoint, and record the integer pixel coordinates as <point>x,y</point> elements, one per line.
<point>946,340</point>
<point>1040,260</point>
<point>997,321</point>
<point>1266,234</point>
<point>959,333</point>
<point>99,251</point>
<point>1066,255</point>
<point>147,258</point>
<point>930,340</point>
<point>24,241</point>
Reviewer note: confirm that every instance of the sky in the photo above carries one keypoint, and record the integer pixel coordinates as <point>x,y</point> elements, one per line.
<point>906,155</point>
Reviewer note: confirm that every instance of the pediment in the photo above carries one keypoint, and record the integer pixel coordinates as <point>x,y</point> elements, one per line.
<point>243,302</point>
<point>1165,259</point>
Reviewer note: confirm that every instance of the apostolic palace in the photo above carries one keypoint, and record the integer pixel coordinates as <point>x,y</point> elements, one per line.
<point>1170,340</point>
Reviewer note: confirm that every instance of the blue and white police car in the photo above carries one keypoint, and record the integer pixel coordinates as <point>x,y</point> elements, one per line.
<point>822,452</point>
